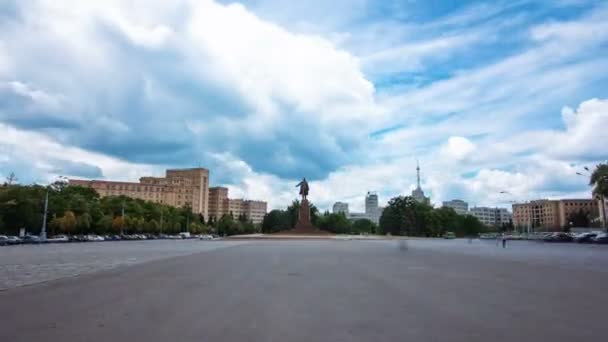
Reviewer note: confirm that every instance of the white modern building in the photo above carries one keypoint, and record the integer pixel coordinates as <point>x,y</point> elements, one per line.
<point>460,207</point>
<point>372,210</point>
<point>491,216</point>
<point>340,207</point>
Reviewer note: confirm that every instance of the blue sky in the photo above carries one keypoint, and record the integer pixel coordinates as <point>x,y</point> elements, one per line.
<point>488,95</point>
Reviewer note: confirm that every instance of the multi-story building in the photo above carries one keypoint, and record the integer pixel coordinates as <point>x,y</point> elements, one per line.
<point>491,216</point>
<point>372,210</point>
<point>220,204</point>
<point>551,214</point>
<point>218,201</point>
<point>340,207</point>
<point>460,207</point>
<point>179,188</point>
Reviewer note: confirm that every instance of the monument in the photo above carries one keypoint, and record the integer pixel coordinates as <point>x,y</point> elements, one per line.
<point>304,225</point>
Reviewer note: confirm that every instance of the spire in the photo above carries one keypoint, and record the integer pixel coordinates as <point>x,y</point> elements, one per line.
<point>417,174</point>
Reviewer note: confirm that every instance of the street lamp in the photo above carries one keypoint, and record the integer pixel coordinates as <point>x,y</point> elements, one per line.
<point>46,209</point>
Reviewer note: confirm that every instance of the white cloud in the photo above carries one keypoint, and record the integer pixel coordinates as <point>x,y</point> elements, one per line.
<point>457,148</point>
<point>161,69</point>
<point>46,156</point>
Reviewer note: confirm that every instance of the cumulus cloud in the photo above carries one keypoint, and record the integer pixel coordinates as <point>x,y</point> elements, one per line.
<point>37,157</point>
<point>210,76</point>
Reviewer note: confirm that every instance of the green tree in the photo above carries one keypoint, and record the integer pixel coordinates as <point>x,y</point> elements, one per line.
<point>276,221</point>
<point>68,222</point>
<point>104,224</point>
<point>599,180</point>
<point>152,227</point>
<point>364,226</point>
<point>227,226</point>
<point>118,224</point>
<point>84,223</point>
<point>335,223</point>
<point>471,226</point>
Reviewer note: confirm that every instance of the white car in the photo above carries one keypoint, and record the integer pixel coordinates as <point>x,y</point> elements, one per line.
<point>94,238</point>
<point>58,238</point>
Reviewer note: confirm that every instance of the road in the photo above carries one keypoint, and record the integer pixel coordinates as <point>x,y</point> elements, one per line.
<point>325,291</point>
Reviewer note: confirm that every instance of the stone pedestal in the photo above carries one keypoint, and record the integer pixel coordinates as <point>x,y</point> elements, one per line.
<point>304,225</point>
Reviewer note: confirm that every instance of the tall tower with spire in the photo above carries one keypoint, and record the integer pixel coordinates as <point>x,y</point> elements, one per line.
<point>417,193</point>
<point>417,175</point>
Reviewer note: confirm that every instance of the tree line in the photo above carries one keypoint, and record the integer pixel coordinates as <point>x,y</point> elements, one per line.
<point>406,216</point>
<point>337,223</point>
<point>80,210</point>
<point>402,216</point>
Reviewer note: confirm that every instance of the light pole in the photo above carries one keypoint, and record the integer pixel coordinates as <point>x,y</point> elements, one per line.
<point>46,209</point>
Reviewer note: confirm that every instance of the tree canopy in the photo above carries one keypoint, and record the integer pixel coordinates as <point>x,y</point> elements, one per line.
<point>80,210</point>
<point>406,216</point>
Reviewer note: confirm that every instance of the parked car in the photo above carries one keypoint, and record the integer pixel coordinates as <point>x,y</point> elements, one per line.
<point>449,235</point>
<point>13,240</point>
<point>558,237</point>
<point>3,240</point>
<point>585,237</point>
<point>184,235</point>
<point>206,237</point>
<point>58,238</point>
<point>31,239</point>
<point>601,238</point>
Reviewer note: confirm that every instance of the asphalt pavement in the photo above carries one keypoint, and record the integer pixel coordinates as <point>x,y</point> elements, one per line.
<point>325,291</point>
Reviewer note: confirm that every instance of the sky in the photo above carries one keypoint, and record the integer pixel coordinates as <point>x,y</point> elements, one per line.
<point>488,96</point>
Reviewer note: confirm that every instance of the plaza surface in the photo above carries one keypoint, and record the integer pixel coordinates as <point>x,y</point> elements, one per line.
<point>313,290</point>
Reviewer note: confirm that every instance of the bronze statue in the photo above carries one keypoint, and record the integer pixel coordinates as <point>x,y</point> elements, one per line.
<point>303,188</point>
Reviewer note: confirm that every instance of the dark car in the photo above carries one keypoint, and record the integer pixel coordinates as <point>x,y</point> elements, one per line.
<point>3,240</point>
<point>31,239</point>
<point>558,237</point>
<point>601,238</point>
<point>585,237</point>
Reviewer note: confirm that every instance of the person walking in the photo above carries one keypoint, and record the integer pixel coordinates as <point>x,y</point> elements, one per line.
<point>504,241</point>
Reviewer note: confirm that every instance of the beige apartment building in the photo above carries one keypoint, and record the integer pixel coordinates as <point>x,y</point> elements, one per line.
<point>550,215</point>
<point>220,204</point>
<point>179,188</point>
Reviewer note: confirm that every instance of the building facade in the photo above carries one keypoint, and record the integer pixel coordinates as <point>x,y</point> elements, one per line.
<point>491,216</point>
<point>551,215</point>
<point>372,210</point>
<point>220,204</point>
<point>460,207</point>
<point>179,188</point>
<point>340,207</point>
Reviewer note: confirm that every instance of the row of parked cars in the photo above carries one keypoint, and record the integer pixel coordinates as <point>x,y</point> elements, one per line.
<point>34,239</point>
<point>587,237</point>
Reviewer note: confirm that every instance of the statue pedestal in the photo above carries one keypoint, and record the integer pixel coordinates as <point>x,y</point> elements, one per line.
<point>304,225</point>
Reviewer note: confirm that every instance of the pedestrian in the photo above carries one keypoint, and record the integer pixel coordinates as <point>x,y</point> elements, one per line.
<point>504,241</point>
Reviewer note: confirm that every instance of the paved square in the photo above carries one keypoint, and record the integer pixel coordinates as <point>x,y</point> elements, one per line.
<point>425,290</point>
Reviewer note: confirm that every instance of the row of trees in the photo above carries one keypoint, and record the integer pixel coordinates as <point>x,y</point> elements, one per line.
<point>280,220</point>
<point>80,210</point>
<point>406,216</point>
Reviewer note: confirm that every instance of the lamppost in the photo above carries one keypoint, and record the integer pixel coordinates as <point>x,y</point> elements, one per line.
<point>600,197</point>
<point>46,209</point>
